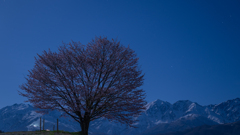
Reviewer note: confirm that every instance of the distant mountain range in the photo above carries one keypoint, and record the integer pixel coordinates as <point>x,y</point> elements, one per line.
<point>160,117</point>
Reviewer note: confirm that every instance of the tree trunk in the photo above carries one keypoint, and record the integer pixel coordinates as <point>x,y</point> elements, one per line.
<point>85,126</point>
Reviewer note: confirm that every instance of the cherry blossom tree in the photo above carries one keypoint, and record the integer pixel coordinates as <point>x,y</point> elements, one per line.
<point>87,82</point>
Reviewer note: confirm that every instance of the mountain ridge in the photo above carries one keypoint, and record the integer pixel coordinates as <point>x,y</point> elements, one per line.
<point>158,115</point>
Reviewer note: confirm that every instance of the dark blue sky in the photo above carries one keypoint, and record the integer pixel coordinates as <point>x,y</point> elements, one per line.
<point>188,50</point>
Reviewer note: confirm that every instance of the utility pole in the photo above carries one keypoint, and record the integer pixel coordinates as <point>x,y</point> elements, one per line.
<point>43,124</point>
<point>40,123</point>
<point>57,125</point>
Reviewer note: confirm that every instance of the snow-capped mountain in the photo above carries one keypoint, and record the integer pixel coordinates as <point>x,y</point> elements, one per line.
<point>159,117</point>
<point>22,117</point>
<point>181,115</point>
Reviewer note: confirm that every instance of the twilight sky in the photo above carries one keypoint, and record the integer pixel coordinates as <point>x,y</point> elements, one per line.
<point>188,50</point>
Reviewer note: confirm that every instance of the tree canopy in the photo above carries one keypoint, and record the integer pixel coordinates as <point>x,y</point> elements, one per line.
<point>87,82</point>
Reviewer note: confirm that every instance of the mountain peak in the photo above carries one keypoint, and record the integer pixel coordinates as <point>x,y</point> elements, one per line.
<point>231,102</point>
<point>20,106</point>
<point>157,103</point>
<point>182,105</point>
<point>183,102</point>
<point>236,100</point>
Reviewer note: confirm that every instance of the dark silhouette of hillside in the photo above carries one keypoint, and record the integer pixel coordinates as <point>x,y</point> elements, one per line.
<point>221,129</point>
<point>179,125</point>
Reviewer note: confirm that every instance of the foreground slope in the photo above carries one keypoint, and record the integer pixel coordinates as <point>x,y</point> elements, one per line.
<point>221,129</point>
<point>183,123</point>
